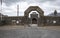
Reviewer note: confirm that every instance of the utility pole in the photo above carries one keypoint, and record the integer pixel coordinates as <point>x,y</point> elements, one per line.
<point>17,14</point>
<point>17,10</point>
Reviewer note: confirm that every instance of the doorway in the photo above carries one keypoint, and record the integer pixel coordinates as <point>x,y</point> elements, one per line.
<point>34,21</point>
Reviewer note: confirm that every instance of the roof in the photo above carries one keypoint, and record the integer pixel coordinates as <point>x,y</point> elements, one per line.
<point>52,14</point>
<point>2,14</point>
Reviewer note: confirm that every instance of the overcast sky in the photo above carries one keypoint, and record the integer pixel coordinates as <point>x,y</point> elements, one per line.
<point>10,6</point>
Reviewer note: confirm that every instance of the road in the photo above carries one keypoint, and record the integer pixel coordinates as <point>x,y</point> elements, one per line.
<point>29,32</point>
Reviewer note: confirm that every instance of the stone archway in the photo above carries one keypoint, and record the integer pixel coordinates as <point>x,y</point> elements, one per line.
<point>34,8</point>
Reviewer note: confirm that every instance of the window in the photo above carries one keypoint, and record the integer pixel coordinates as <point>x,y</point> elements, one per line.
<point>54,22</point>
<point>13,20</point>
<point>17,22</point>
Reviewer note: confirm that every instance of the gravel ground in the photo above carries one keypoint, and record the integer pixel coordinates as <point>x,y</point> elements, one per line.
<point>28,32</point>
<point>8,27</point>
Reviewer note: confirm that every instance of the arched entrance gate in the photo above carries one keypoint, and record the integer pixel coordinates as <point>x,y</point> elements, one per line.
<point>34,21</point>
<point>33,8</point>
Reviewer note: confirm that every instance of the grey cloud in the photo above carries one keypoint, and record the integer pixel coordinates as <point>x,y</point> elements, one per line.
<point>55,3</point>
<point>12,1</point>
<point>39,1</point>
<point>8,2</point>
<point>49,0</point>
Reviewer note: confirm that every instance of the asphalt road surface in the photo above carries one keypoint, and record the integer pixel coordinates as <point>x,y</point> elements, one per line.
<point>29,32</point>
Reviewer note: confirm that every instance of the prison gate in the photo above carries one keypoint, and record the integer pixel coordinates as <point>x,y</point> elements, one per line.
<point>34,19</point>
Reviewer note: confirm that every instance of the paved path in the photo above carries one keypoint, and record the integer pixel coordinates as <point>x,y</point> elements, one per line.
<point>33,25</point>
<point>29,32</point>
